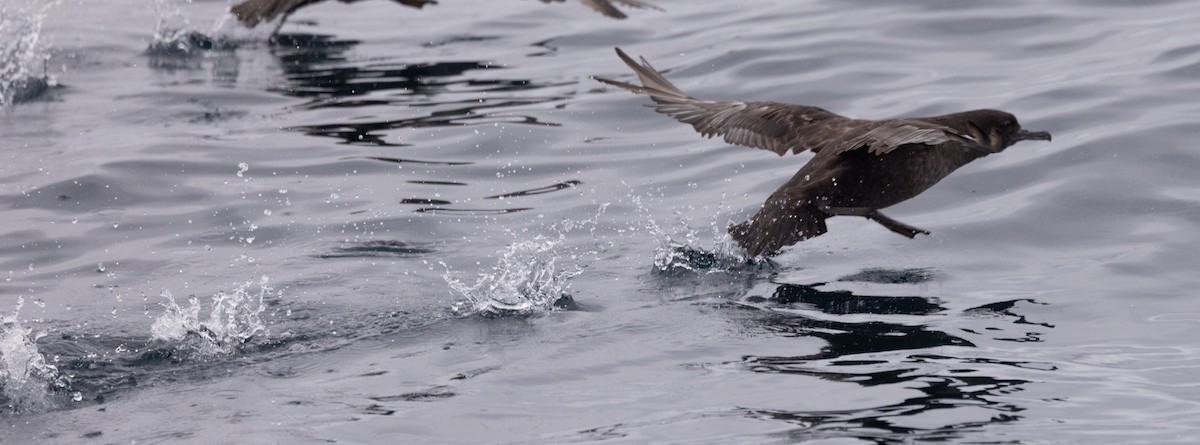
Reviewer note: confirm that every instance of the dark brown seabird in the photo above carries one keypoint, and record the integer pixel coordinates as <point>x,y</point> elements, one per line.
<point>252,12</point>
<point>860,166</point>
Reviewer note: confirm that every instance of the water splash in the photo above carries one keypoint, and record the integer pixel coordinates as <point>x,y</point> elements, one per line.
<point>532,275</point>
<point>177,41</point>
<point>234,320</point>
<point>683,254</point>
<point>21,54</point>
<point>25,377</point>
<point>170,21</point>
<point>676,258</point>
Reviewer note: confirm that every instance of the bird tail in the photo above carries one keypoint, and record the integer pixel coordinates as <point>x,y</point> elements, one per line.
<point>653,83</point>
<point>776,226</point>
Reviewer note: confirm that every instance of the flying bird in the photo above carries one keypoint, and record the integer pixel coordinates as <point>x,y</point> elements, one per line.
<point>253,12</point>
<point>859,166</point>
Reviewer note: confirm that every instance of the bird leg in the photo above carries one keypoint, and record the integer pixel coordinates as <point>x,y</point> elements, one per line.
<point>874,215</point>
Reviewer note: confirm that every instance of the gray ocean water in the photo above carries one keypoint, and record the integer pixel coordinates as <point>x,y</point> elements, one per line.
<point>392,225</point>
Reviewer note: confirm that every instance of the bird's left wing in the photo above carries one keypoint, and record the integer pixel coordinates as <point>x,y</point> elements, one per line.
<point>772,126</point>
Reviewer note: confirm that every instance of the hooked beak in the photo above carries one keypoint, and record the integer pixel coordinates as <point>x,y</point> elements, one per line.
<point>1033,135</point>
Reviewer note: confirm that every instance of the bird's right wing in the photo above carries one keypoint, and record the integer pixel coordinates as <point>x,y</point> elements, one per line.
<point>771,126</point>
<point>889,135</point>
<point>882,137</point>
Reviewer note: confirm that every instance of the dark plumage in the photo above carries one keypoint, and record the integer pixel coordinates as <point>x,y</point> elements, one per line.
<point>860,166</point>
<point>253,12</point>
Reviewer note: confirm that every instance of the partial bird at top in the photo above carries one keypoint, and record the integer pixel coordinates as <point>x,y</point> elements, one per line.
<point>253,12</point>
<point>860,165</point>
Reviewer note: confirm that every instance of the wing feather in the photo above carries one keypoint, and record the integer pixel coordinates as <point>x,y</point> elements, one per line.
<point>780,127</point>
<point>771,126</point>
<point>891,134</point>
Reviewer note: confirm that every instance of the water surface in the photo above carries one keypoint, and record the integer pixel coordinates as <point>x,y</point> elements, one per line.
<point>392,225</point>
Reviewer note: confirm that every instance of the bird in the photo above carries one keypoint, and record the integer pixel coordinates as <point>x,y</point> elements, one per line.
<point>859,166</point>
<point>253,12</point>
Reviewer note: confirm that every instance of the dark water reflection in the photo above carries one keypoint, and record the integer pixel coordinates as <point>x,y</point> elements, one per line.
<point>907,342</point>
<point>380,249</point>
<point>480,112</point>
<point>315,66</point>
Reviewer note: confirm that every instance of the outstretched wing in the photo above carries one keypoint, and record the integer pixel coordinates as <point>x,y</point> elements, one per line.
<point>772,126</point>
<point>780,127</point>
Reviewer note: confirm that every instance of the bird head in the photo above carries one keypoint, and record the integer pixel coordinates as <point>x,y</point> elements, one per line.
<point>998,129</point>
